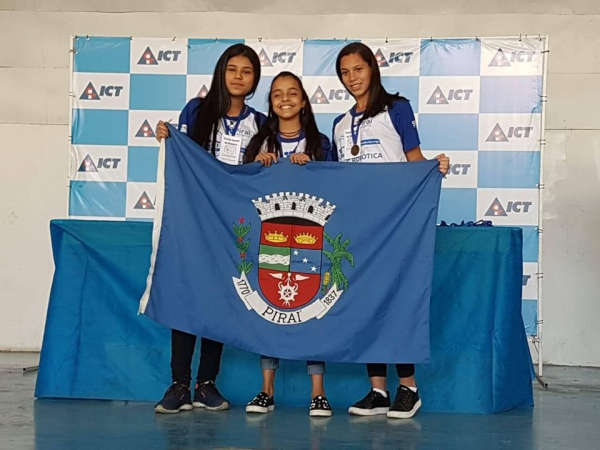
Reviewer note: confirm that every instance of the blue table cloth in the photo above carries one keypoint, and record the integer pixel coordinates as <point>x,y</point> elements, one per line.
<point>96,346</point>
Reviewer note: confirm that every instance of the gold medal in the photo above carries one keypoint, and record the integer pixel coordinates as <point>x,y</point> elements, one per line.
<point>355,150</point>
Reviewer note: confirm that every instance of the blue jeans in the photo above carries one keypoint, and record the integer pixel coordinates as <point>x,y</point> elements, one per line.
<point>314,367</point>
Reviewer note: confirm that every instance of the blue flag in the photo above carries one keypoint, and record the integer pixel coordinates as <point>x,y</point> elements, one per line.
<point>328,261</point>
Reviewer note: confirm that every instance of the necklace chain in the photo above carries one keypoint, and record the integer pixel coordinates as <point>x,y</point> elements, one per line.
<point>290,134</point>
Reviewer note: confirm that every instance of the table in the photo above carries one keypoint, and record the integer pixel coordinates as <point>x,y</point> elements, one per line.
<point>96,346</point>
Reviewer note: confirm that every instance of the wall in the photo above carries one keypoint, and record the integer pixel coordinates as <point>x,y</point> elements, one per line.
<point>34,80</point>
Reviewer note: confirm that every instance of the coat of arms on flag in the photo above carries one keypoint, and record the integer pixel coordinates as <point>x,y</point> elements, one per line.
<point>297,276</point>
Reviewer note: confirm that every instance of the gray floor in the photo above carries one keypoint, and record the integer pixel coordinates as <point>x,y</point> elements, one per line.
<point>566,416</point>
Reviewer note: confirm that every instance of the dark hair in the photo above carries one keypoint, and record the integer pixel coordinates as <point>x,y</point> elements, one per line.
<point>268,131</point>
<point>218,100</point>
<point>379,98</point>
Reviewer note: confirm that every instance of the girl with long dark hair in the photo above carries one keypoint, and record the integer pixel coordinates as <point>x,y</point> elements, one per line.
<point>289,131</point>
<point>222,124</point>
<point>380,127</point>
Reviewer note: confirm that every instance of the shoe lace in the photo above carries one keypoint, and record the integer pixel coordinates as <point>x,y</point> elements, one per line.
<point>370,398</point>
<point>209,388</point>
<point>404,397</point>
<point>176,389</point>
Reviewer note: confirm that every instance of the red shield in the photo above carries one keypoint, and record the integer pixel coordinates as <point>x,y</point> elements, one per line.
<point>290,257</point>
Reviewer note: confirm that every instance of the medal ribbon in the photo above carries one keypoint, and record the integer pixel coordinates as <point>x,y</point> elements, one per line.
<point>354,133</point>
<point>232,131</point>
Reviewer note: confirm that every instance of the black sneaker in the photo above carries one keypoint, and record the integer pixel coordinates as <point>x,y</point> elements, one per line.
<point>373,404</point>
<point>319,407</point>
<point>207,396</point>
<point>405,405</point>
<point>262,404</point>
<point>177,398</point>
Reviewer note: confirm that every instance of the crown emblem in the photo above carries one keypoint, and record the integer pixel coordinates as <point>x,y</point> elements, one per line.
<point>305,238</point>
<point>291,204</point>
<point>275,237</point>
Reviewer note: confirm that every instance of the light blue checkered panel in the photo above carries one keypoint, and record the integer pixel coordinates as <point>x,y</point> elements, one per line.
<point>320,56</point>
<point>157,92</point>
<point>458,204</point>
<point>100,126</point>
<point>97,199</point>
<point>448,131</point>
<point>203,54</point>
<point>260,99</point>
<point>530,316</point>
<point>450,57</point>
<point>101,54</point>
<point>142,164</point>
<point>518,94</point>
<point>505,169</point>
